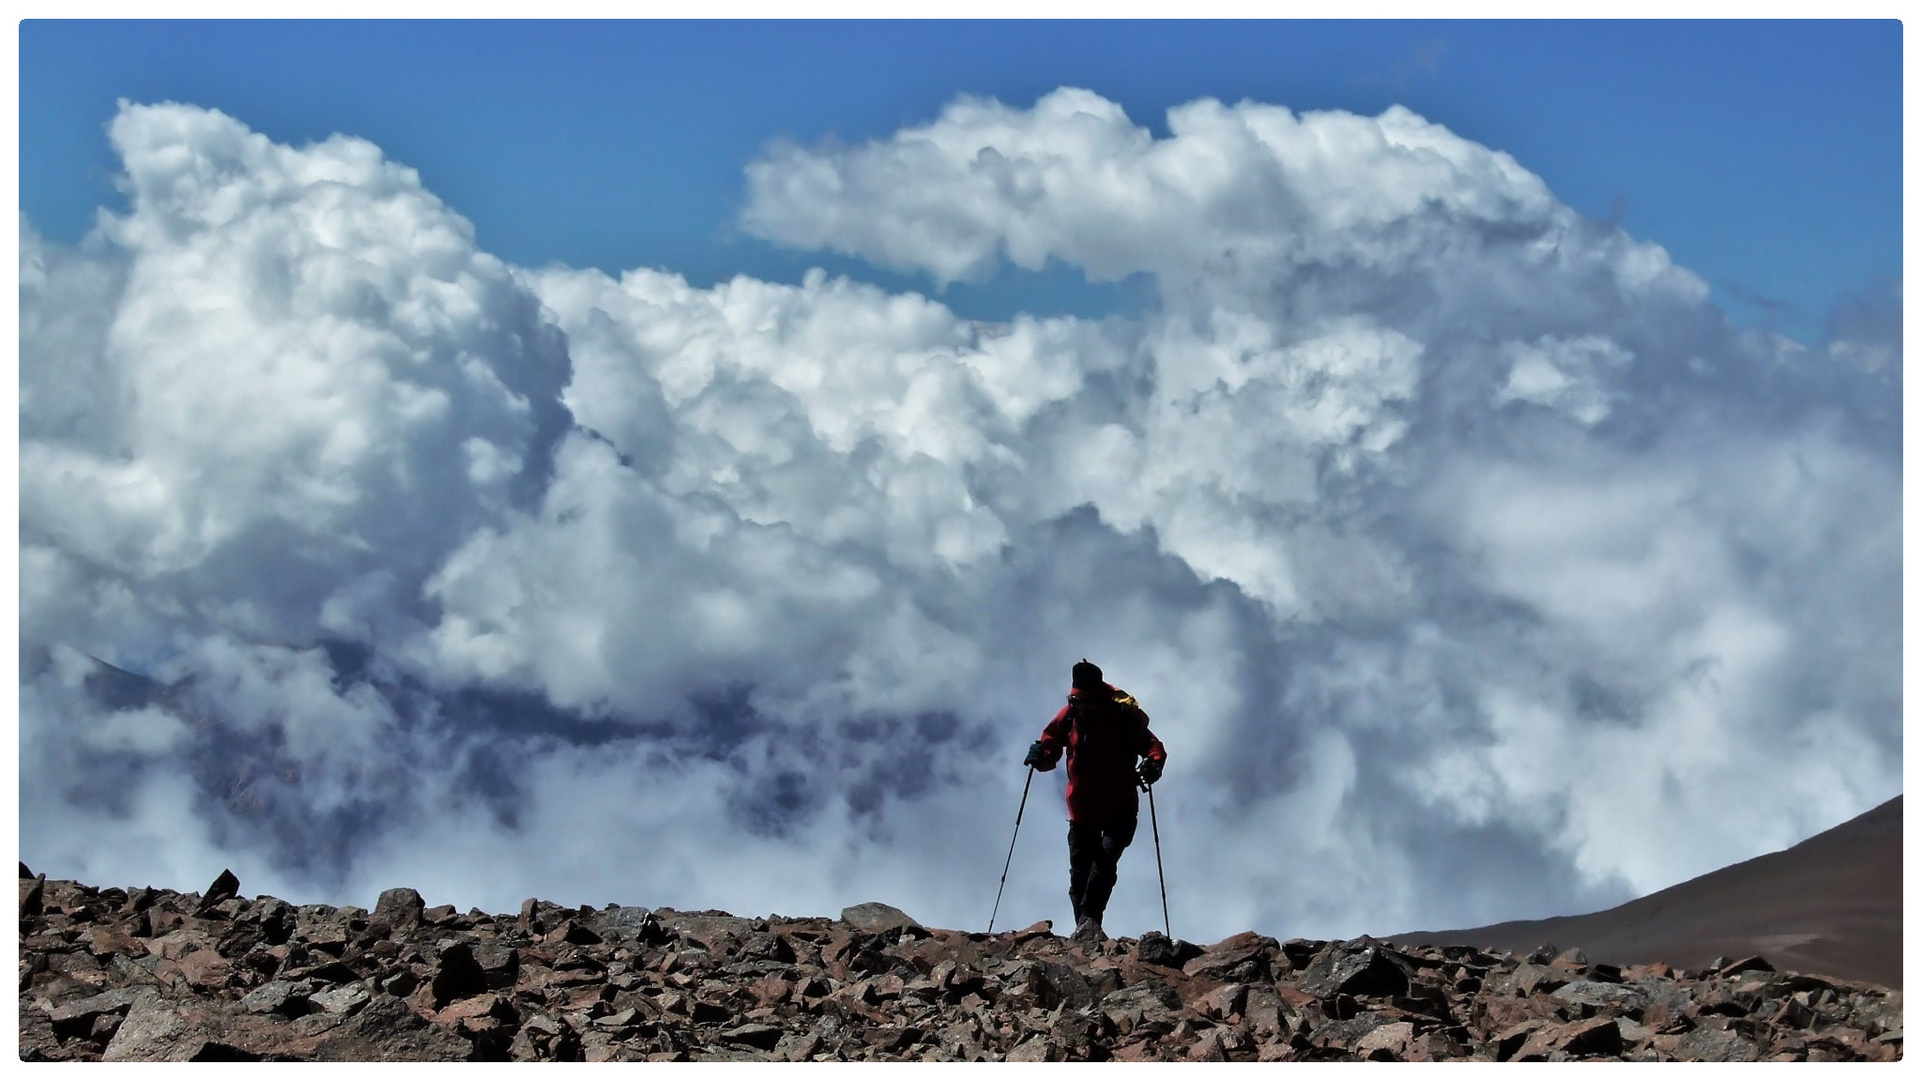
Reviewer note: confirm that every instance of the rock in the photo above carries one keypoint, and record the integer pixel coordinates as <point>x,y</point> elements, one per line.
<point>1877,1013</point>
<point>1531,978</point>
<point>759,1036</point>
<point>476,1007</point>
<point>572,932</point>
<point>327,971</point>
<point>874,918</point>
<point>457,975</point>
<point>1037,1048</point>
<point>1357,968</point>
<point>1599,1036</point>
<point>1388,1042</point>
<point>1263,1013</point>
<point>1128,1007</point>
<point>114,940</point>
<point>76,1018</point>
<point>1598,995</point>
<point>330,938</point>
<point>277,996</point>
<point>401,909</point>
<point>385,1029</point>
<point>1223,1001</point>
<point>617,1021</point>
<point>276,920</point>
<point>1052,985</point>
<point>1076,1032</point>
<point>1708,1044</point>
<point>1341,1035</point>
<point>1157,948</point>
<point>240,939</point>
<point>499,963</point>
<point>224,888</point>
<point>349,985</point>
<point>1241,958</point>
<point>32,895</point>
<point>1729,968</point>
<point>1208,1047</point>
<point>158,1029</point>
<point>341,999</point>
<point>1509,1040</point>
<point>206,969</point>
<point>629,924</point>
<point>1570,960</point>
<point>1301,951</point>
<point>1793,1015</point>
<point>1582,1038</point>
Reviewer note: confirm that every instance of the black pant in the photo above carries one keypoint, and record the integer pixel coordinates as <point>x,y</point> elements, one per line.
<point>1093,862</point>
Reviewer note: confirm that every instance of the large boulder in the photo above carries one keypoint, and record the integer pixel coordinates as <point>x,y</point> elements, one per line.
<point>76,1018</point>
<point>875,918</point>
<point>225,887</point>
<point>401,909</point>
<point>1361,968</point>
<point>198,1029</point>
<point>457,974</point>
<point>385,1029</point>
<point>1594,997</point>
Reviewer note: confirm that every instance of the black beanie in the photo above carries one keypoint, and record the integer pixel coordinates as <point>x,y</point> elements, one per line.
<point>1086,676</point>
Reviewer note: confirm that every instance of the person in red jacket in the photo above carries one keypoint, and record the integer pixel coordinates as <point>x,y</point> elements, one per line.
<point>1103,731</point>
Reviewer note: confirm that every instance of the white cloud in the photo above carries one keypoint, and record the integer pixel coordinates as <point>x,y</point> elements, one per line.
<point>272,375</point>
<point>1463,557</point>
<point>1563,375</point>
<point>1248,203</point>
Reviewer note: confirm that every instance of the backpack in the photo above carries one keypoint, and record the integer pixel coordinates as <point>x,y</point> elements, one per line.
<point>1097,721</point>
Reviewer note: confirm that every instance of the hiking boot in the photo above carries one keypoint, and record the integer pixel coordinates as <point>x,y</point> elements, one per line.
<point>1088,931</point>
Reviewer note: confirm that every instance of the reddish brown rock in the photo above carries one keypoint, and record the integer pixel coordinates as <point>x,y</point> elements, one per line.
<point>206,969</point>
<point>110,940</point>
<point>402,984</point>
<point>1388,1042</point>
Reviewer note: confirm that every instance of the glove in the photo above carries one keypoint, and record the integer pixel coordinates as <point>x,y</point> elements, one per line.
<point>1036,756</point>
<point>1150,772</point>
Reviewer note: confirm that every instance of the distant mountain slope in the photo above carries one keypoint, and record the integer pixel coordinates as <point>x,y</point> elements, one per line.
<point>1829,905</point>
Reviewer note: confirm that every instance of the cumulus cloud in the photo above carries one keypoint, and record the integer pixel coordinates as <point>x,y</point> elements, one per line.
<point>1472,566</point>
<point>281,372</point>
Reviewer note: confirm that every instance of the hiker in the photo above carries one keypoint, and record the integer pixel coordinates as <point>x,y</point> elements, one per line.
<point>1103,731</point>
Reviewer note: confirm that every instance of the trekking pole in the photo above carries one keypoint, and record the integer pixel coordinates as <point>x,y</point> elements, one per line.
<point>1010,849</point>
<point>1154,818</point>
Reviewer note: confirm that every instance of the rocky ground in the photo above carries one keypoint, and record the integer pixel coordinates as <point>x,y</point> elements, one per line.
<point>154,975</point>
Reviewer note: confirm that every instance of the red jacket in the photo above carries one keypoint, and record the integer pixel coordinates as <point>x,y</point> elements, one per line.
<point>1101,783</point>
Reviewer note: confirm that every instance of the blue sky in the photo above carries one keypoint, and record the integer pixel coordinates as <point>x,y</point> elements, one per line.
<point>1765,155</point>
<point>481,447</point>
